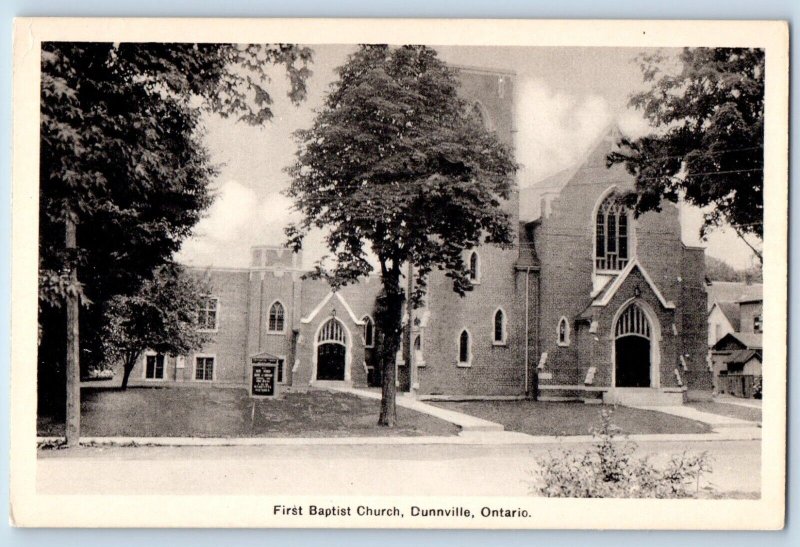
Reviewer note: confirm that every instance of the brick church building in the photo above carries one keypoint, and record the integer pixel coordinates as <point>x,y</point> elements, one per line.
<point>591,304</point>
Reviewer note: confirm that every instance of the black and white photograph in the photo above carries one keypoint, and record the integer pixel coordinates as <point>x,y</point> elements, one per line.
<point>380,280</point>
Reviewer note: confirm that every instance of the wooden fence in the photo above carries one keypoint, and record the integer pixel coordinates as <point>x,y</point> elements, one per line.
<point>746,386</point>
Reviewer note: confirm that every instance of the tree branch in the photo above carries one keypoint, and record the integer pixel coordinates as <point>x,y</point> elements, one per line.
<point>752,248</point>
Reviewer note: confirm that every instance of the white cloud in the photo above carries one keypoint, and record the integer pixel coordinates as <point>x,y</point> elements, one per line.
<point>632,124</point>
<point>555,129</point>
<point>231,210</point>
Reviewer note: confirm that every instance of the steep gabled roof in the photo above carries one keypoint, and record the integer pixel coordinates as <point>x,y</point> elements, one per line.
<point>741,356</point>
<point>611,289</point>
<point>310,317</point>
<point>731,312</point>
<point>749,340</point>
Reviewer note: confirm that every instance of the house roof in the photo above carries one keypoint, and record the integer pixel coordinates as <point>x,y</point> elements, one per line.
<point>731,312</point>
<point>741,356</point>
<point>750,340</point>
<point>733,291</point>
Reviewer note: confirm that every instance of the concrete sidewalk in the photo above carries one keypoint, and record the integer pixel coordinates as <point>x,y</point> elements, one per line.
<point>714,420</point>
<point>464,421</point>
<point>748,403</point>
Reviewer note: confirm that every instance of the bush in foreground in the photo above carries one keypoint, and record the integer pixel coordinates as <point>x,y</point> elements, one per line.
<point>610,470</point>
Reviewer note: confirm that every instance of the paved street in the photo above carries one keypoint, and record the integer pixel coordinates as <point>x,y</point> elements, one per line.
<point>378,469</point>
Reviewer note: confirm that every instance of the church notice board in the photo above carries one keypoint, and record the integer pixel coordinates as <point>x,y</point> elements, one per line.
<point>263,379</point>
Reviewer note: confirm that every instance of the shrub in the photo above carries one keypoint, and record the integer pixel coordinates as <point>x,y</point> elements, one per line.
<point>610,470</point>
<point>758,387</point>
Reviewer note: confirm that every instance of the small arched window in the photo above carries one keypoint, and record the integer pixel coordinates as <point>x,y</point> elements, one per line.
<point>563,332</point>
<point>419,360</point>
<point>369,331</point>
<point>611,235</point>
<point>277,318</point>
<point>464,349</point>
<point>474,267</point>
<point>499,327</point>
<point>479,115</point>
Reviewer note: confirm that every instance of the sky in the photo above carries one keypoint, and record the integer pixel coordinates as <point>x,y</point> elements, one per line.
<point>564,99</point>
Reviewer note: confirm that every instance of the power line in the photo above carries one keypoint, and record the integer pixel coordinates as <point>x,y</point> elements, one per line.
<point>373,186</point>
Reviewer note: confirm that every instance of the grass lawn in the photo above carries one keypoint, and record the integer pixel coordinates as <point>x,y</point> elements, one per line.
<point>573,418</point>
<point>731,411</point>
<point>210,412</point>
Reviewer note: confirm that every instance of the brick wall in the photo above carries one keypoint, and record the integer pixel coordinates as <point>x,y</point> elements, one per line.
<point>694,324</point>
<point>229,341</point>
<point>564,242</point>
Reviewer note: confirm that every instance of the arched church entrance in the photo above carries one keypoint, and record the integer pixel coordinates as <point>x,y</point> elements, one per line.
<point>331,351</point>
<point>632,339</point>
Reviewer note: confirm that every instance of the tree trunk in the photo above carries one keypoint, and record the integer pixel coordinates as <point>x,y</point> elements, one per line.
<point>389,321</point>
<point>73,367</point>
<point>130,362</point>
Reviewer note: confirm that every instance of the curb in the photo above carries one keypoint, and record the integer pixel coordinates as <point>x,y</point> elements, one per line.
<point>473,438</point>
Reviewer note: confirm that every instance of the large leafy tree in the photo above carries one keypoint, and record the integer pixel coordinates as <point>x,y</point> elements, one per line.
<point>161,316</point>
<point>395,165</point>
<point>707,111</point>
<point>122,156</point>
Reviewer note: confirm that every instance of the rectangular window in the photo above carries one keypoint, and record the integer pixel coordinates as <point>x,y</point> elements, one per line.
<point>154,367</point>
<point>279,371</point>
<point>757,323</point>
<point>207,313</point>
<point>204,368</point>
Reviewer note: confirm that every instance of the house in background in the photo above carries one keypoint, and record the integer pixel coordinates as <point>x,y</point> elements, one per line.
<point>725,299</point>
<point>736,360</point>
<point>736,355</point>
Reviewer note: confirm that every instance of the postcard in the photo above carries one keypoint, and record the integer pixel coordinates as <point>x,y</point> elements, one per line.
<point>371,273</point>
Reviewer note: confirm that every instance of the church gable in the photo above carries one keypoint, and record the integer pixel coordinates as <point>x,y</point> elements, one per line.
<point>633,274</point>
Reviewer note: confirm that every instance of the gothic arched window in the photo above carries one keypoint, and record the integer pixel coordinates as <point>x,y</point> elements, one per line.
<point>563,332</point>
<point>479,115</point>
<point>611,235</point>
<point>369,331</point>
<point>277,321</point>
<point>499,327</point>
<point>474,267</point>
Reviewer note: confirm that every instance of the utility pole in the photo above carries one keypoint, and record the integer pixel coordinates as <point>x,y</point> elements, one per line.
<point>73,420</point>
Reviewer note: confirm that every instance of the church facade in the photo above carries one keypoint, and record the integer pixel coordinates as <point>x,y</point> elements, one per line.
<point>590,304</point>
